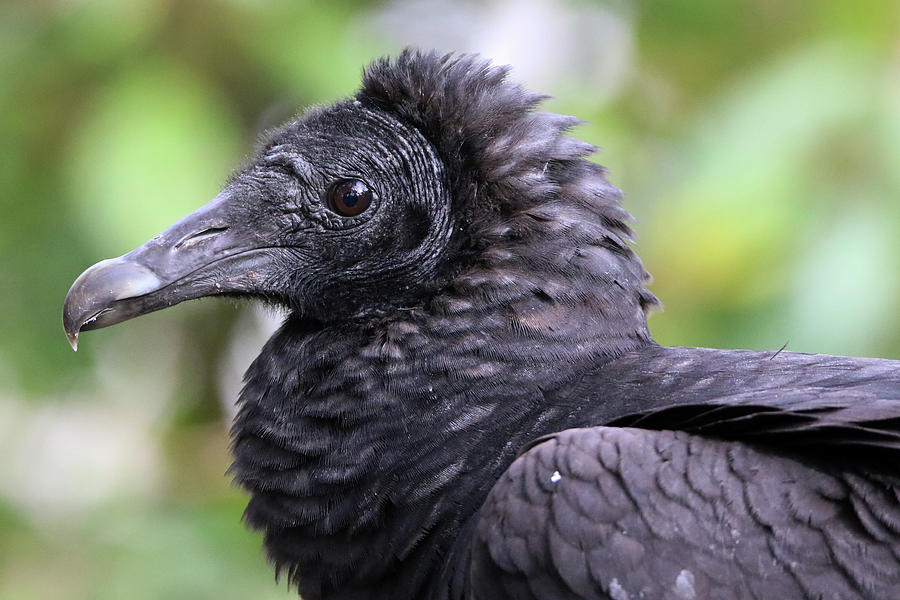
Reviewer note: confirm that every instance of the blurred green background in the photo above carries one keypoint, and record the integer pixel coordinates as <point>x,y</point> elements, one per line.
<point>758,143</point>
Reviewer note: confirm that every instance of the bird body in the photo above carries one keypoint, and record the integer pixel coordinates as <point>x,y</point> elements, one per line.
<point>416,492</point>
<point>465,401</point>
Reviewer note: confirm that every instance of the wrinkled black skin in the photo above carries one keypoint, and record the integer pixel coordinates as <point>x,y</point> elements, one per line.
<point>332,267</point>
<point>487,298</point>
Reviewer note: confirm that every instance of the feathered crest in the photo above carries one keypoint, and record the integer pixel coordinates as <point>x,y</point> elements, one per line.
<point>483,126</point>
<point>502,155</point>
<point>470,111</point>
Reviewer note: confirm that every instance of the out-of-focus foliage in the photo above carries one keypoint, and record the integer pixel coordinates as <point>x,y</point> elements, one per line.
<point>758,143</point>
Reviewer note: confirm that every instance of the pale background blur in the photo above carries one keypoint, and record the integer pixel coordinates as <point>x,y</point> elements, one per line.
<point>757,141</point>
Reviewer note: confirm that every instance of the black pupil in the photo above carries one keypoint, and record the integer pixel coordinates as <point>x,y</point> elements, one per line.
<point>349,198</point>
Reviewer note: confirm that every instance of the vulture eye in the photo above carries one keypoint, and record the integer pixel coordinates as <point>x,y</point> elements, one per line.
<point>349,197</point>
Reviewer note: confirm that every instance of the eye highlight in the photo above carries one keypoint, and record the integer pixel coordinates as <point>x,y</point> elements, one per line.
<point>349,197</point>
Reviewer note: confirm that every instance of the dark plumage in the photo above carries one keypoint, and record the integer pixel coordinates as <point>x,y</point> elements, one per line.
<point>465,401</point>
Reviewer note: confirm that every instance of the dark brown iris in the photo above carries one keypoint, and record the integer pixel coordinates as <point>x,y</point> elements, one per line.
<point>349,197</point>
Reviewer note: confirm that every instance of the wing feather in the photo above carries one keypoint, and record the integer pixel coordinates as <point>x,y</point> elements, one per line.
<point>620,512</point>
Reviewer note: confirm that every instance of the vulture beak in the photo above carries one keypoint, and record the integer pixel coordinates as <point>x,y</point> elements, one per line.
<point>208,252</point>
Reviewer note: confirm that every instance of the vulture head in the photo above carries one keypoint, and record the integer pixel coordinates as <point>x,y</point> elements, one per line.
<point>439,180</point>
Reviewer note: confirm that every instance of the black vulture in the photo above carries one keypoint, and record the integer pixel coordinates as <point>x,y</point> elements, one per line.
<point>465,400</point>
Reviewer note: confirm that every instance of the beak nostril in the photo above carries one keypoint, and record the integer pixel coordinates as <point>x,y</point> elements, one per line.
<point>196,238</point>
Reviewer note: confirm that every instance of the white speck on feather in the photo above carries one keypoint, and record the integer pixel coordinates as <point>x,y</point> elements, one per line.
<point>555,477</point>
<point>684,585</point>
<point>616,591</point>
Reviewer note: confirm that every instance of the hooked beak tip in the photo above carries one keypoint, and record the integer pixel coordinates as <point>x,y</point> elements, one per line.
<point>73,340</point>
<point>95,299</point>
